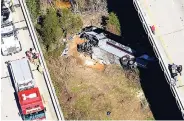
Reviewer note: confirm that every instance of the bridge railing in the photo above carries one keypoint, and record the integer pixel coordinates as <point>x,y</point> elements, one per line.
<point>46,74</point>
<point>160,53</point>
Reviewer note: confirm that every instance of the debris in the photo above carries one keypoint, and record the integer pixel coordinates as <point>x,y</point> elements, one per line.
<point>65,51</point>
<point>102,47</point>
<point>108,112</point>
<point>89,63</point>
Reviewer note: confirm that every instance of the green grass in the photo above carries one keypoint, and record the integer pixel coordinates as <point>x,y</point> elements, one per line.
<point>83,104</point>
<point>150,118</point>
<point>57,52</point>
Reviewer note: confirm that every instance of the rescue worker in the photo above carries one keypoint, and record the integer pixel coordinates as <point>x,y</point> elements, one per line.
<point>39,68</point>
<point>29,55</point>
<point>175,69</point>
<point>179,69</point>
<point>34,56</point>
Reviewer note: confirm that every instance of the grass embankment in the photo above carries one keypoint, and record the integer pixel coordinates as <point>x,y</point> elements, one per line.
<point>85,93</point>
<point>88,93</point>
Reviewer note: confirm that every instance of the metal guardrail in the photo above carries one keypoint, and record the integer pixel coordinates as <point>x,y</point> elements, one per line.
<point>46,74</point>
<point>159,55</point>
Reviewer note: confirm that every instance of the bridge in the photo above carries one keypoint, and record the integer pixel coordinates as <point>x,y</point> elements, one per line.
<point>167,16</point>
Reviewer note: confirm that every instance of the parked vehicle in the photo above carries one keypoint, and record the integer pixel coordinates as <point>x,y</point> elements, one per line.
<point>29,97</point>
<point>9,42</point>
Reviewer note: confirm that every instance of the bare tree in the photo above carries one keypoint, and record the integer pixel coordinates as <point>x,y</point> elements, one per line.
<point>88,5</point>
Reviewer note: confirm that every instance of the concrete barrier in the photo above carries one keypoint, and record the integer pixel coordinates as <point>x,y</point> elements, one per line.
<point>163,60</point>
<point>46,74</point>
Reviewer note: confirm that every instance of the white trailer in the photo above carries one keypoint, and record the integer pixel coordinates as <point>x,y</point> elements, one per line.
<point>22,75</point>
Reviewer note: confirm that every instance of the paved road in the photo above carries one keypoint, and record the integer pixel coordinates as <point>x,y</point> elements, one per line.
<point>8,105</point>
<point>168,18</point>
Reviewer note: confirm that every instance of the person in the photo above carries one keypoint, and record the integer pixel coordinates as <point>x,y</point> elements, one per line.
<point>34,54</point>
<point>40,69</point>
<point>175,69</point>
<point>29,55</point>
<point>32,50</point>
<point>179,69</point>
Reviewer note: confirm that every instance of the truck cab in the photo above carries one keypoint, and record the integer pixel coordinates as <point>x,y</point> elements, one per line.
<point>31,104</point>
<point>22,74</point>
<point>9,43</point>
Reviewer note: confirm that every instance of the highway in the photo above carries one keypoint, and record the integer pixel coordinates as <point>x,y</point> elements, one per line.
<point>10,109</point>
<point>168,41</point>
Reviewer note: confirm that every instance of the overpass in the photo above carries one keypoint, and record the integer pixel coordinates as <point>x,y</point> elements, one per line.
<point>168,40</point>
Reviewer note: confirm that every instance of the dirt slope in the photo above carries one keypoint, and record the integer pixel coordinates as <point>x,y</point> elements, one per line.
<point>88,93</point>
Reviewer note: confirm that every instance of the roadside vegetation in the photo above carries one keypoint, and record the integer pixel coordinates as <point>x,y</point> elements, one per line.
<point>34,8</point>
<point>113,24</point>
<point>83,92</point>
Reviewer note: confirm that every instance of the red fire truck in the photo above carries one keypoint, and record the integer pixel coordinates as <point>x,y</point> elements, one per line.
<point>31,104</point>
<point>29,97</point>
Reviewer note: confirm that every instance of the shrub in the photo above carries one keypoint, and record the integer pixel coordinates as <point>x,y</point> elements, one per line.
<point>57,52</point>
<point>51,32</point>
<point>34,8</point>
<point>70,23</point>
<point>113,24</point>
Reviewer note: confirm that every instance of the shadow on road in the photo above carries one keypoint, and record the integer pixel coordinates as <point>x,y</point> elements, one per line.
<point>157,91</point>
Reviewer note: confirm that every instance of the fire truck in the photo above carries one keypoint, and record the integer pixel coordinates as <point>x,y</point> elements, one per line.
<point>29,97</point>
<point>97,41</point>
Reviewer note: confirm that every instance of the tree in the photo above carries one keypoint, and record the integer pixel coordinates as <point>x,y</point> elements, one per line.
<point>113,24</point>
<point>34,8</point>
<point>70,23</point>
<point>89,5</point>
<point>51,32</point>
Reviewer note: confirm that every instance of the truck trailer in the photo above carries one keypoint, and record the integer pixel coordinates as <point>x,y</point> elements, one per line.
<point>22,75</point>
<point>29,97</point>
<point>99,40</point>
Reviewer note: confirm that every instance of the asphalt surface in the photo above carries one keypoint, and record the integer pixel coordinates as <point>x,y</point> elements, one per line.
<point>168,18</point>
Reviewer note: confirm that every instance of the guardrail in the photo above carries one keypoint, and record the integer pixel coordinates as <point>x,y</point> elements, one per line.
<point>159,55</point>
<point>46,74</point>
